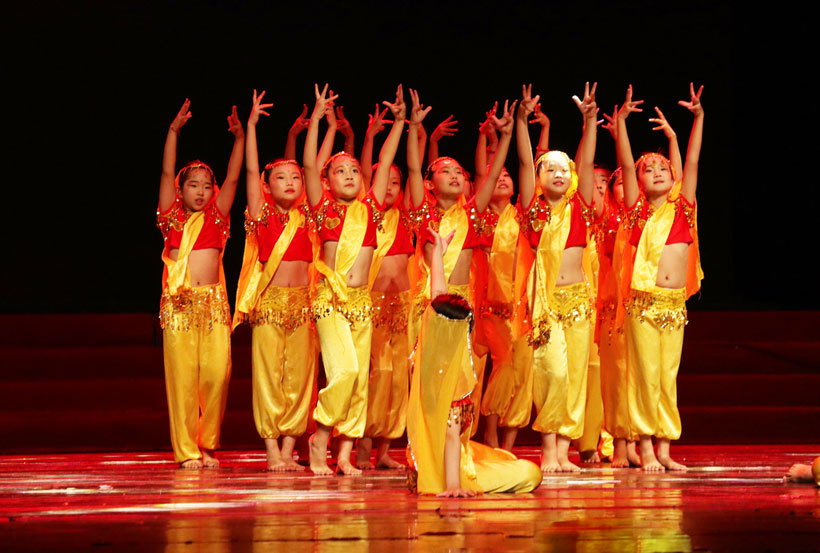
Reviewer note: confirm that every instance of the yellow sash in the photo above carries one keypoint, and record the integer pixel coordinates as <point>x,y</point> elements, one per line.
<point>456,219</point>
<point>176,272</point>
<point>347,249</point>
<point>386,238</point>
<point>502,257</point>
<point>254,277</point>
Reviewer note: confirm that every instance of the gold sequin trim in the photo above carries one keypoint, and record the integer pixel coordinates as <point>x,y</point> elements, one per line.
<point>536,217</point>
<point>666,308</point>
<point>391,310</point>
<point>500,310</point>
<point>570,304</point>
<point>461,412</point>
<point>378,214</point>
<point>177,216</point>
<point>688,211</point>
<point>357,308</point>
<point>287,308</point>
<point>540,333</point>
<point>195,309</point>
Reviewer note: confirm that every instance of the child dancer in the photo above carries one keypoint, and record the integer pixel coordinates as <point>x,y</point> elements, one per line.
<point>274,296</point>
<point>560,304</point>
<point>442,459</point>
<point>661,270</point>
<point>195,317</point>
<point>342,309</point>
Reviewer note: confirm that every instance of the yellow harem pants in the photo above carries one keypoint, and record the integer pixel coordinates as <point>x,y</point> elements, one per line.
<point>196,344</point>
<point>345,331</point>
<point>389,384</point>
<point>612,350</point>
<point>509,390</point>
<point>654,340</point>
<point>560,366</point>
<point>594,432</point>
<point>285,356</point>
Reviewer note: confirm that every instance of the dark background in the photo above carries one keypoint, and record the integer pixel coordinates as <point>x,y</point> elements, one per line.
<point>91,87</point>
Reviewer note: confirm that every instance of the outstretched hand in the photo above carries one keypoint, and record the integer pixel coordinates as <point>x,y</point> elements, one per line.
<point>506,123</point>
<point>487,128</point>
<point>341,120</point>
<point>234,126</point>
<point>693,104</point>
<point>539,116</point>
<point>375,122</point>
<point>301,122</point>
<point>323,101</point>
<point>259,108</point>
<point>445,128</point>
<point>441,244</point>
<point>182,117</point>
<point>587,106</point>
<point>417,111</point>
<point>663,124</point>
<point>612,123</point>
<point>630,105</point>
<point>398,108</point>
<point>458,492</point>
<point>528,102</point>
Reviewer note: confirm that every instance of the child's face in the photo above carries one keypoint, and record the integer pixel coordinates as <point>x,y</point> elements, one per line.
<point>448,180</point>
<point>601,182</point>
<point>393,187</point>
<point>655,175</point>
<point>285,184</point>
<point>618,190</point>
<point>197,190</point>
<point>503,186</point>
<point>344,178</point>
<point>555,176</point>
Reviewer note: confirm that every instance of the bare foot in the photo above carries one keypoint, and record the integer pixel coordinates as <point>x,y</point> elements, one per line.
<point>456,493</point>
<point>619,454</point>
<point>318,458</point>
<point>191,464</point>
<point>632,455</point>
<point>279,466</point>
<point>550,465</point>
<point>387,462</point>
<point>208,459</point>
<point>364,447</point>
<point>590,457</point>
<point>365,465</point>
<point>567,466</point>
<point>649,462</point>
<point>653,465</point>
<point>671,464</point>
<point>799,474</point>
<point>293,466</point>
<point>346,467</point>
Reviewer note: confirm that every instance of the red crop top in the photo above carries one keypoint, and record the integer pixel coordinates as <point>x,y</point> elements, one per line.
<point>215,230</point>
<point>679,233</point>
<point>429,216</point>
<point>329,217</point>
<point>403,244</point>
<point>536,216</point>
<point>269,227</point>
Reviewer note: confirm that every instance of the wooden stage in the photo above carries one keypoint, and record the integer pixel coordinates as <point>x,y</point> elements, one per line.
<point>733,498</point>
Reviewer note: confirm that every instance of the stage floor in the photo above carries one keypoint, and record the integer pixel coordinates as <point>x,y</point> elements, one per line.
<point>732,499</point>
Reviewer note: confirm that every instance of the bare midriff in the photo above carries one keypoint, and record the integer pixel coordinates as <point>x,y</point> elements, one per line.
<point>392,275</point>
<point>360,271</point>
<point>203,265</point>
<point>292,274</point>
<point>672,266</point>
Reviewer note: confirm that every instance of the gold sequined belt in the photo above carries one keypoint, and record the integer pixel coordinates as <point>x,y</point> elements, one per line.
<point>195,308</point>
<point>500,310</point>
<point>357,308</point>
<point>570,304</point>
<point>391,310</point>
<point>287,308</point>
<point>665,307</point>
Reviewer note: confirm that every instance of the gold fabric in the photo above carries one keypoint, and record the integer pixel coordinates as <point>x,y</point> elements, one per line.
<point>509,390</point>
<point>653,358</point>
<point>612,351</point>
<point>347,249</point>
<point>345,332</point>
<point>285,356</point>
<point>560,365</point>
<point>443,372</point>
<point>594,411</point>
<point>255,277</point>
<point>389,382</point>
<point>385,238</point>
<point>197,355</point>
<point>176,271</point>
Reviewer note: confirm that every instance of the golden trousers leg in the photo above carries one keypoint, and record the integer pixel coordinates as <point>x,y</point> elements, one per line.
<point>345,350</point>
<point>560,366</point>
<point>654,339</point>
<point>612,351</point>
<point>284,366</point>
<point>594,411</point>
<point>509,391</point>
<point>497,471</point>
<point>197,354</point>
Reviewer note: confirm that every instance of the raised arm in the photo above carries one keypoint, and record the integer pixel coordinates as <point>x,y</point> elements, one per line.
<point>485,130</point>
<point>298,126</point>
<point>505,127</point>
<point>438,283</point>
<point>585,162</point>
<point>252,155</point>
<point>674,149</point>
<point>227,193</point>
<point>624,150</point>
<point>388,152</point>
<point>445,128</point>
<point>541,118</point>
<point>375,124</point>
<point>690,170</point>
<point>346,129</point>
<point>526,168</point>
<point>415,180</point>
<point>330,136</point>
<point>611,125</point>
<point>313,181</point>
<point>167,194</point>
